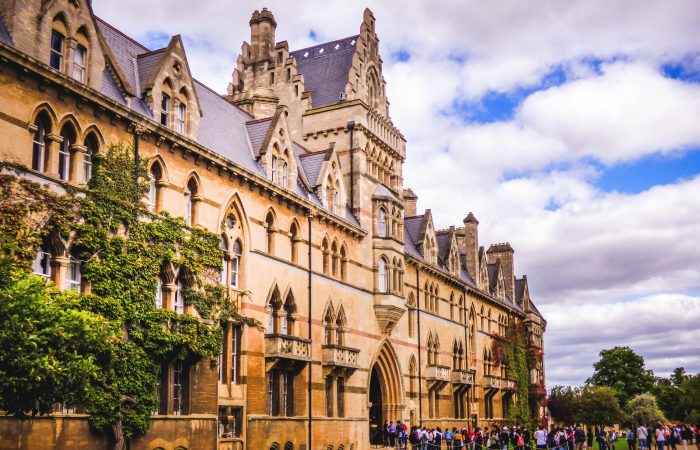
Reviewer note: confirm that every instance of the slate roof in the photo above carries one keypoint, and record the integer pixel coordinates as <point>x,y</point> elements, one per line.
<point>147,63</point>
<point>412,226</point>
<point>493,275</point>
<point>257,130</point>
<point>311,165</point>
<point>4,33</point>
<point>519,290</point>
<point>443,243</point>
<point>383,191</point>
<point>326,68</point>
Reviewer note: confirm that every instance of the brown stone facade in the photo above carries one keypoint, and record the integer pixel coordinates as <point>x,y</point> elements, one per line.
<point>299,167</point>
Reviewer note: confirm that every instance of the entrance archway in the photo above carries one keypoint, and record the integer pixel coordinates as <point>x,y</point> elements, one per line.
<point>385,391</point>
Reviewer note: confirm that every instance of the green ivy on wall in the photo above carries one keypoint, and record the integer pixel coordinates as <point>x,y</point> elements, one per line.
<point>102,350</point>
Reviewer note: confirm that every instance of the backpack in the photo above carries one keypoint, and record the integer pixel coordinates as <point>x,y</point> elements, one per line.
<point>448,435</point>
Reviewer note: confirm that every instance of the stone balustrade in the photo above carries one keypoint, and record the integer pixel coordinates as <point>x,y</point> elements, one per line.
<point>492,382</point>
<point>340,356</point>
<point>463,377</point>
<point>437,373</point>
<point>287,347</point>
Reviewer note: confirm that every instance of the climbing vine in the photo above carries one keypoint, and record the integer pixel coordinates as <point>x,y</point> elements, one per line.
<point>122,249</point>
<point>512,352</point>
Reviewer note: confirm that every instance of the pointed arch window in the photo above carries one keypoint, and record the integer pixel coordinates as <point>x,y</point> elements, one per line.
<point>326,256</point>
<point>191,197</point>
<point>294,242</point>
<point>270,233</point>
<point>164,109</point>
<point>340,327</point>
<point>64,152</point>
<point>180,115</point>
<point>343,263</point>
<point>381,223</point>
<point>288,315</point>
<point>73,274</point>
<point>237,251</point>
<point>42,262</point>
<point>91,149</point>
<point>328,326</point>
<point>179,301</point>
<point>273,169</point>
<point>57,49</point>
<point>79,63</point>
<point>282,173</point>
<point>155,180</point>
<point>382,275</point>
<point>335,260</point>
<point>43,128</point>
<point>158,301</point>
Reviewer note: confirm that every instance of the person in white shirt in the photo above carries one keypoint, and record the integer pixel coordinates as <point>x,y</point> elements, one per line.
<point>642,436</point>
<point>540,437</point>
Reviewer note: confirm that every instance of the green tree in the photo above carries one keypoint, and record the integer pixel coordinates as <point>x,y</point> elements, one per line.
<point>668,397</point>
<point>561,403</point>
<point>642,409</point>
<point>621,369</point>
<point>597,405</point>
<point>50,349</point>
<point>103,350</point>
<point>689,404</point>
<point>678,376</point>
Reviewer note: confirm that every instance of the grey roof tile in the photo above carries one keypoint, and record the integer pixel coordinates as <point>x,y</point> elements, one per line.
<point>412,227</point>
<point>109,86</point>
<point>4,33</point>
<point>257,130</point>
<point>124,49</point>
<point>311,163</point>
<point>326,68</point>
<point>222,129</point>
<point>383,191</point>
<point>443,243</point>
<point>147,64</point>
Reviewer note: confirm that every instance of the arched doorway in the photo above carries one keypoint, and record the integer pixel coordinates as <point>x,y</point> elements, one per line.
<point>385,392</point>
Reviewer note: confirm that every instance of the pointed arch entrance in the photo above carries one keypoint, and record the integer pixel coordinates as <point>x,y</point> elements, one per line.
<point>385,393</point>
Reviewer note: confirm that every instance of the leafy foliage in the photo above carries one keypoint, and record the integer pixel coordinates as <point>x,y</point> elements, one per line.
<point>561,403</point>
<point>643,410</point>
<point>102,350</point>
<point>621,369</point>
<point>597,405</point>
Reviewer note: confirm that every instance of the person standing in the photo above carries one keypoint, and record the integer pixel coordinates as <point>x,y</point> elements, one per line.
<point>602,439</point>
<point>579,437</point>
<point>540,438</point>
<point>660,438</point>
<point>642,436</point>
<point>686,436</point>
<point>504,438</point>
<point>589,438</point>
<point>631,438</point>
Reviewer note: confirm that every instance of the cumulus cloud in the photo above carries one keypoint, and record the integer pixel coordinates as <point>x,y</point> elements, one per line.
<point>589,92</point>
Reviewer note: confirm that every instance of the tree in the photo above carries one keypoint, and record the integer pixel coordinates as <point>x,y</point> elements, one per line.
<point>689,405</point>
<point>621,369</point>
<point>102,351</point>
<point>561,403</point>
<point>50,349</point>
<point>678,376</point>
<point>668,397</point>
<point>642,409</point>
<point>597,405</point>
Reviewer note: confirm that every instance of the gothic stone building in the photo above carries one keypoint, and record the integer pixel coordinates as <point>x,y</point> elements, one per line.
<point>371,313</point>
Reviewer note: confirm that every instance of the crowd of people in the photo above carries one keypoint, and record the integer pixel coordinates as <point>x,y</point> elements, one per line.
<point>661,437</point>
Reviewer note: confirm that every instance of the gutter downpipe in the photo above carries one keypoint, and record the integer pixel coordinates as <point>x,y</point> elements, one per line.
<point>351,127</point>
<point>309,402</point>
<point>420,364</point>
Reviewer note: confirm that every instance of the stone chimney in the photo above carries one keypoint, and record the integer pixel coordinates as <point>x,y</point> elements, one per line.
<point>471,245</point>
<point>410,201</point>
<point>504,253</point>
<point>262,35</point>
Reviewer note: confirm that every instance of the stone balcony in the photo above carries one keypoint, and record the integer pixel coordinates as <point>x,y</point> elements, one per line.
<point>508,384</point>
<point>463,377</point>
<point>338,356</point>
<point>492,382</point>
<point>437,375</point>
<point>286,350</point>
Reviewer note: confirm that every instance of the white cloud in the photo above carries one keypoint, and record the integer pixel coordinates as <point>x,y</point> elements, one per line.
<point>626,263</point>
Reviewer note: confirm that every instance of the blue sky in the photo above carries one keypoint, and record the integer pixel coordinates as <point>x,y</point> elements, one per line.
<point>569,128</point>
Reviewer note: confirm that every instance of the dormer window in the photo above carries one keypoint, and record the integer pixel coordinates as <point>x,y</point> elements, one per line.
<point>79,63</point>
<point>57,47</point>
<point>164,109</point>
<point>180,114</point>
<point>283,173</point>
<point>273,169</point>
